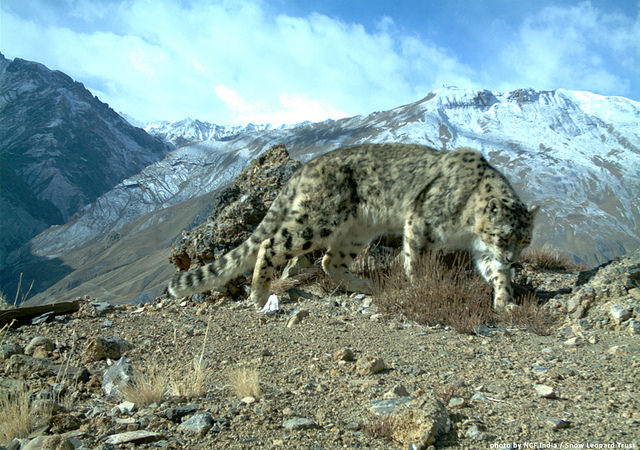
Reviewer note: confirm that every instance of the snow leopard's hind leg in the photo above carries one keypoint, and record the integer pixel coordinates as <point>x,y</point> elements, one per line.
<point>284,245</point>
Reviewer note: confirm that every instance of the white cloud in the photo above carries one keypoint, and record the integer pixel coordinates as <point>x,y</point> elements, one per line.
<point>575,47</point>
<point>168,61</point>
<point>291,108</point>
<point>240,61</point>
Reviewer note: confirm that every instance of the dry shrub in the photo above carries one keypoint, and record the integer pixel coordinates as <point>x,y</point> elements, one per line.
<point>281,286</point>
<point>380,427</point>
<point>245,382</point>
<point>326,283</point>
<point>548,258</point>
<point>448,291</point>
<point>16,419</point>
<point>530,315</point>
<point>146,388</point>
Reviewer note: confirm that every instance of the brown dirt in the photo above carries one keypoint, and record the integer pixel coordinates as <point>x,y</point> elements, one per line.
<point>486,381</point>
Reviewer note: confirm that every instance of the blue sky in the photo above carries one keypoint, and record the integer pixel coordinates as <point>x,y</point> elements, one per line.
<point>288,61</point>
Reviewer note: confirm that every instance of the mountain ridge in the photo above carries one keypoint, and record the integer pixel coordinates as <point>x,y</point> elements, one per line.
<point>201,167</point>
<point>61,148</point>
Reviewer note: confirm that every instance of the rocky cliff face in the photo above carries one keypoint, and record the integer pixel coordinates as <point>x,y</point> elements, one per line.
<point>60,149</point>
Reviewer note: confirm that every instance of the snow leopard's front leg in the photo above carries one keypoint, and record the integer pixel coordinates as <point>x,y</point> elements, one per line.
<point>498,275</point>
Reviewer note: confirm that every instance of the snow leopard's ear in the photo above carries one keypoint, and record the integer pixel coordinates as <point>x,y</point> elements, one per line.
<point>533,210</point>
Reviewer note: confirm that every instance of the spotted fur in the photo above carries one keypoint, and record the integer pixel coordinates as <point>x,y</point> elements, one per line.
<point>343,199</point>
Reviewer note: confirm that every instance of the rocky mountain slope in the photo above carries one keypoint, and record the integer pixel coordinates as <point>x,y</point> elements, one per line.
<point>60,148</point>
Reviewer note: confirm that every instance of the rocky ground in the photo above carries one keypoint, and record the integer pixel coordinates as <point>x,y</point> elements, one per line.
<point>331,369</point>
<point>324,369</point>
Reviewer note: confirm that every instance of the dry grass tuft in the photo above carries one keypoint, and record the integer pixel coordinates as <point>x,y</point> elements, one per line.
<point>448,291</point>
<point>245,382</point>
<point>548,258</point>
<point>16,419</point>
<point>146,388</point>
<point>191,383</point>
<point>530,315</point>
<point>380,427</point>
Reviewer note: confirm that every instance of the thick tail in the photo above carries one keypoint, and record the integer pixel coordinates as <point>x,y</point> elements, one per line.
<point>239,260</point>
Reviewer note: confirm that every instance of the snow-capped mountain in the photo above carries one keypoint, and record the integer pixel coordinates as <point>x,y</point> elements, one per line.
<point>188,131</point>
<point>575,154</point>
<point>61,148</point>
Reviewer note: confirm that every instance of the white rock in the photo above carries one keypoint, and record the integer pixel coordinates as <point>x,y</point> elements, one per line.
<point>619,313</point>
<point>544,391</point>
<point>138,436</point>
<point>272,305</point>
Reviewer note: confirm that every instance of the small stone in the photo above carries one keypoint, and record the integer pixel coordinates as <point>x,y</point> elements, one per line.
<point>475,433</point>
<point>572,341</point>
<point>116,376</point>
<point>102,307</point>
<point>248,400</point>
<point>420,422</point>
<point>126,407</point>
<point>619,313</point>
<point>456,402</point>
<point>198,424</point>
<point>544,391</point>
<point>46,317</point>
<point>297,317</point>
<point>634,326</point>
<point>38,341</point>
<point>557,424</point>
<point>397,391</point>
<point>387,406</point>
<point>584,324</point>
<point>40,352</point>
<point>369,365</point>
<point>9,348</point>
<point>175,414</point>
<point>138,437</point>
<point>57,442</point>
<point>346,354</point>
<point>477,397</point>
<point>299,423</point>
<point>539,370</point>
<point>98,348</point>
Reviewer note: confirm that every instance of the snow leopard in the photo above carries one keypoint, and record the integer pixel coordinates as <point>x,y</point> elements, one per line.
<point>340,201</point>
